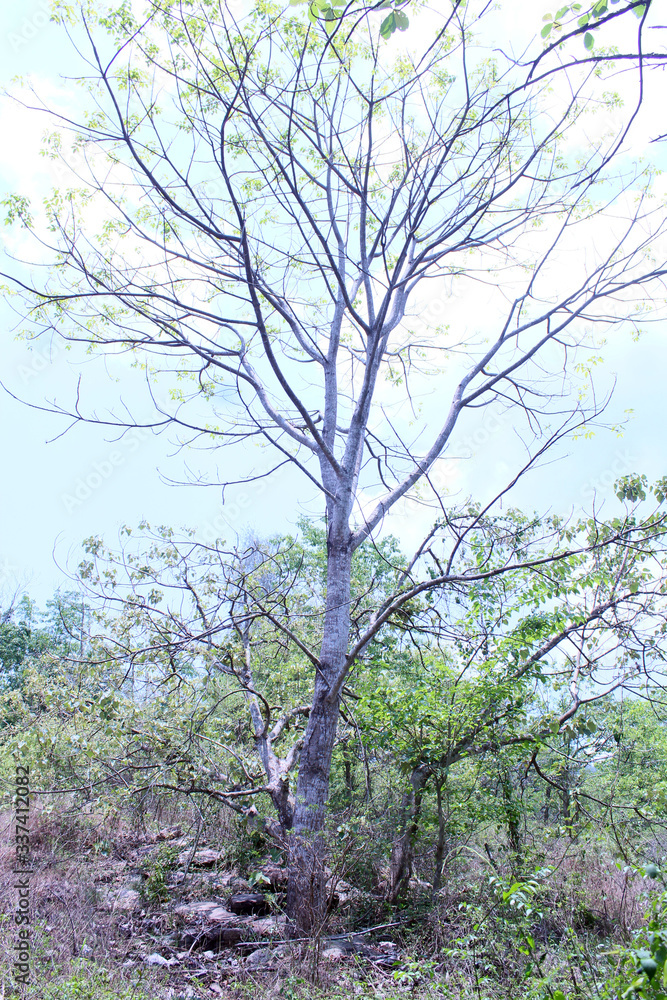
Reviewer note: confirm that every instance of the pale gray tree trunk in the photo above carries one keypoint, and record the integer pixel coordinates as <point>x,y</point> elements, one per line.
<point>306,891</point>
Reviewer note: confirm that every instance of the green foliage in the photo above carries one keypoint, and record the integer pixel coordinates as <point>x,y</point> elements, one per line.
<point>27,636</point>
<point>562,22</point>
<point>154,888</point>
<point>18,210</point>
<point>88,981</point>
<point>643,972</point>
<point>331,12</point>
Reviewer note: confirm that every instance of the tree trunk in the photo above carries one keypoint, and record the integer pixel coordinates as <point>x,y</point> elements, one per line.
<point>442,837</point>
<point>513,817</point>
<point>402,851</point>
<point>306,889</point>
<point>349,772</point>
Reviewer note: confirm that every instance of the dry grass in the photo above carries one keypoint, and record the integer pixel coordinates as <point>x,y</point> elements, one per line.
<point>86,948</point>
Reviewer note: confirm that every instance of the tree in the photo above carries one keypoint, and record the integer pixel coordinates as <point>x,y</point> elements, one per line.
<point>514,662</point>
<point>579,19</point>
<point>26,635</point>
<point>277,303</point>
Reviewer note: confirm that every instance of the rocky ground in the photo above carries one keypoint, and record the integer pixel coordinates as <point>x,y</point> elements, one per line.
<point>167,907</point>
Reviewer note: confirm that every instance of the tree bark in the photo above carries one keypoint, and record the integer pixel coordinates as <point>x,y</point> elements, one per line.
<point>442,837</point>
<point>306,889</point>
<point>402,853</point>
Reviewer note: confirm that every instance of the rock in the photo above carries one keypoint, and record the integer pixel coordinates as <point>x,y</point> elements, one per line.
<point>196,938</point>
<point>169,833</point>
<point>126,900</point>
<point>190,911</point>
<point>223,879</point>
<point>156,959</point>
<point>205,858</point>
<point>333,954</point>
<point>221,916</point>
<point>258,958</point>
<point>249,902</point>
<point>269,926</point>
<point>352,945</point>
<point>275,875</point>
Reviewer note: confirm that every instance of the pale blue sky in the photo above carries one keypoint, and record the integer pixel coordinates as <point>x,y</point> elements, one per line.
<point>53,495</point>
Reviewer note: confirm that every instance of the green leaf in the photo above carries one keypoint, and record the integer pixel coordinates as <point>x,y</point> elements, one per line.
<point>561,13</point>
<point>546,30</point>
<point>402,20</point>
<point>649,966</point>
<point>388,26</point>
<point>589,41</point>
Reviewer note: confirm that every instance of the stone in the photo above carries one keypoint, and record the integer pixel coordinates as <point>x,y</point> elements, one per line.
<point>269,926</point>
<point>275,875</point>
<point>249,902</point>
<point>126,900</point>
<point>258,958</point>
<point>205,858</point>
<point>190,911</point>
<point>196,938</point>
<point>221,915</point>
<point>169,833</point>
<point>156,959</point>
<point>333,954</point>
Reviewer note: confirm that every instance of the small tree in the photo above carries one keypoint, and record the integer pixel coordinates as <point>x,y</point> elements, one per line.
<point>279,199</point>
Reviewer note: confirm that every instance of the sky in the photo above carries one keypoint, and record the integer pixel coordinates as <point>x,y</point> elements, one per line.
<point>59,488</point>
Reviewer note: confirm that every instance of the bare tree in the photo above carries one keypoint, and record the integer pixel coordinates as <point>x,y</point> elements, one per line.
<point>278,199</point>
